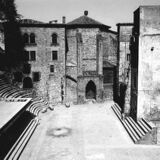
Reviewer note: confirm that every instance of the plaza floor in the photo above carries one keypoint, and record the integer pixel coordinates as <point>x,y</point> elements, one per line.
<point>85,132</point>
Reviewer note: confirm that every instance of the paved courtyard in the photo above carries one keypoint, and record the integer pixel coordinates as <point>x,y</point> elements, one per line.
<point>84,132</point>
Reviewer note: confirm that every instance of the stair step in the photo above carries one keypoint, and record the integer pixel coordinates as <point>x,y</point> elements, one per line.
<point>130,131</point>
<point>18,147</point>
<point>25,141</point>
<point>126,125</point>
<point>137,126</point>
<point>149,126</point>
<point>147,129</point>
<point>134,127</point>
<point>142,126</point>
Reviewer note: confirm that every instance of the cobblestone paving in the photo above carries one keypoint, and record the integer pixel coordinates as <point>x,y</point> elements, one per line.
<point>89,132</point>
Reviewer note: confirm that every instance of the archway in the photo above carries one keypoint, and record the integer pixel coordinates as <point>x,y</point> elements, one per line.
<point>27,83</point>
<point>90,90</point>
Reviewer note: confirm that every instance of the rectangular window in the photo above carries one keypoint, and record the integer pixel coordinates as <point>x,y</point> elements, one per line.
<point>107,75</point>
<point>54,55</point>
<point>26,55</point>
<point>32,55</point>
<point>51,68</point>
<point>128,57</point>
<point>36,76</point>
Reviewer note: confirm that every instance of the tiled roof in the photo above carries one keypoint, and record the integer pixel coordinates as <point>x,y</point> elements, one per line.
<point>30,21</point>
<point>85,20</point>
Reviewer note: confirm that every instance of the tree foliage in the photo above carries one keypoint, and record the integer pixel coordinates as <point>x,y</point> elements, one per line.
<point>8,10</point>
<point>14,46</point>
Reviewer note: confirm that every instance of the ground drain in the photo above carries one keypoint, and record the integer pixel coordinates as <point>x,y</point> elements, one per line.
<point>59,132</point>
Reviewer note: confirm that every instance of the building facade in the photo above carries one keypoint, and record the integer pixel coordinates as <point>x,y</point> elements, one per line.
<point>91,60</point>
<point>145,47</point>
<point>45,53</point>
<point>69,62</point>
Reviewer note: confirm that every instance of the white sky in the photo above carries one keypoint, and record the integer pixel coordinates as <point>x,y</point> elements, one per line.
<point>109,12</point>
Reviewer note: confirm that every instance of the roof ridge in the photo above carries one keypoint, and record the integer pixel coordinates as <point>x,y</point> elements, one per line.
<point>85,20</point>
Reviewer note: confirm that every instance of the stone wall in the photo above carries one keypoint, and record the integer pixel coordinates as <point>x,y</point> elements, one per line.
<point>109,41</point>
<point>125,32</point>
<point>71,68</point>
<point>148,63</point>
<point>82,59</point>
<point>110,47</point>
<point>50,83</point>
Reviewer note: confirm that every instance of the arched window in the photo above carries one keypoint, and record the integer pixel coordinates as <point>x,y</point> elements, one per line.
<point>54,38</point>
<point>32,38</point>
<point>26,38</point>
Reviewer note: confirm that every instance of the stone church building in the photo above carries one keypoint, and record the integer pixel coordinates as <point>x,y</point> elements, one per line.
<point>70,62</point>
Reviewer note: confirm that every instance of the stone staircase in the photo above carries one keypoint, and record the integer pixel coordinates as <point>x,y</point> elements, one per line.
<point>141,132</point>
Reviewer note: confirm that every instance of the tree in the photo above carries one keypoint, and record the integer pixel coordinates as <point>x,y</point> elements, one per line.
<point>8,10</point>
<point>14,46</point>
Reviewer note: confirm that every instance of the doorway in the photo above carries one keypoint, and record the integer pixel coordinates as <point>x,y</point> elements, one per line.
<point>90,90</point>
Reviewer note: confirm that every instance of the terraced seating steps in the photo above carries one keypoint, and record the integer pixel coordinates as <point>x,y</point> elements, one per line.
<point>37,105</point>
<point>21,142</point>
<point>136,130</point>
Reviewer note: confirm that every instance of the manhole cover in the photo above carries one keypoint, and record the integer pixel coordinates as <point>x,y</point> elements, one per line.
<point>59,132</point>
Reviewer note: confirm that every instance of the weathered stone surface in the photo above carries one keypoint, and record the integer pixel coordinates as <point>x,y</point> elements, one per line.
<point>81,52</point>
<point>88,47</point>
<point>49,85</point>
<point>147,48</point>
<point>124,34</point>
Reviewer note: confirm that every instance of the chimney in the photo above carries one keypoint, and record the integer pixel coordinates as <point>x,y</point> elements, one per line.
<point>86,13</point>
<point>63,19</point>
<point>55,21</point>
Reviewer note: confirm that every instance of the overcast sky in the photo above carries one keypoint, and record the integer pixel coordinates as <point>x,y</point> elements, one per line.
<point>109,12</point>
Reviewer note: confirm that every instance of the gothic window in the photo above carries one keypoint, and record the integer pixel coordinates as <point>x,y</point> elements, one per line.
<point>32,38</point>
<point>54,38</point>
<point>36,76</point>
<point>51,68</point>
<point>54,55</point>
